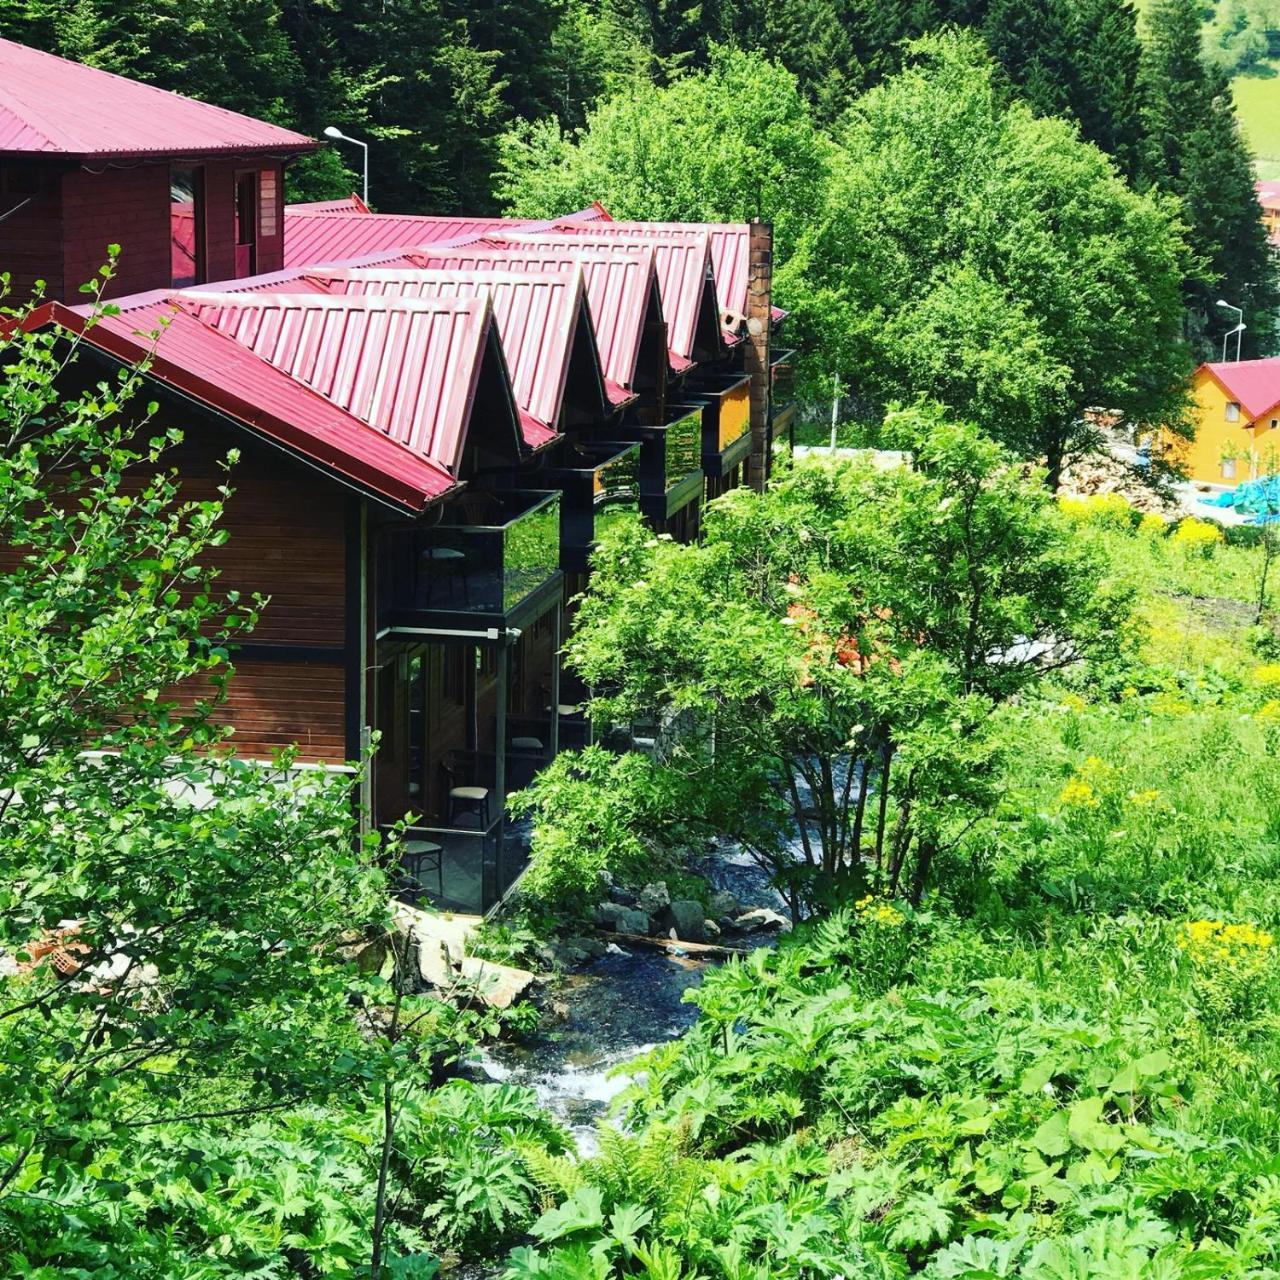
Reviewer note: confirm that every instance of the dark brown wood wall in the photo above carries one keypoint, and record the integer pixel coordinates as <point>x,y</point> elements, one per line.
<point>63,234</point>
<point>128,207</point>
<point>31,239</point>
<point>287,538</point>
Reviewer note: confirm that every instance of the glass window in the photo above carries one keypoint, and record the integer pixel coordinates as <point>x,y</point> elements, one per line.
<point>1228,468</point>
<point>246,224</point>
<point>1233,411</point>
<point>186,226</point>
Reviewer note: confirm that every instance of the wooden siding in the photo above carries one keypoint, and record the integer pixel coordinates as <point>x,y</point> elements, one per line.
<point>286,530</point>
<point>128,207</point>
<point>275,704</point>
<point>63,234</point>
<point>31,236</point>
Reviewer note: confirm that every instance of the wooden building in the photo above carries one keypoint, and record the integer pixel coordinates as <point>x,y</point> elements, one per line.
<point>189,192</point>
<point>436,417</point>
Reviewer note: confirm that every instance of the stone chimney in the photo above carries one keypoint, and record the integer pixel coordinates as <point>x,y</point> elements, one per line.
<point>759,313</point>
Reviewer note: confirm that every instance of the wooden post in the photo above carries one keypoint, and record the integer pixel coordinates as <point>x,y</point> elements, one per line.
<point>759,315</point>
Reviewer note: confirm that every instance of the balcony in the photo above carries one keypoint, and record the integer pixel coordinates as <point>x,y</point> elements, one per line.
<point>461,868</point>
<point>599,481</point>
<point>670,462</point>
<point>488,558</point>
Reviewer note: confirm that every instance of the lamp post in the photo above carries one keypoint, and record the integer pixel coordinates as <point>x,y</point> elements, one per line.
<point>1238,330</point>
<point>339,136</point>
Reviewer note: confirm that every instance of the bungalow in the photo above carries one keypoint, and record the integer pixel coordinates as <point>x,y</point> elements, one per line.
<point>1236,413</point>
<point>435,417</point>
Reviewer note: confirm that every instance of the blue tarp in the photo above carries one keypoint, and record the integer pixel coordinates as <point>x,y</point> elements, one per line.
<point>1258,500</point>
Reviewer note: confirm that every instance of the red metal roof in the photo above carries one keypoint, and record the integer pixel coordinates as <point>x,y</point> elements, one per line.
<point>1255,384</point>
<point>537,317</point>
<point>621,282</point>
<point>730,256</point>
<point>218,371</point>
<point>1268,194</point>
<point>348,204</point>
<point>408,367</point>
<point>685,277</point>
<point>312,238</point>
<point>51,106</point>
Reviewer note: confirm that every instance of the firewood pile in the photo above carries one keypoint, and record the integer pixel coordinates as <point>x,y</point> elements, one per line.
<point>1101,473</point>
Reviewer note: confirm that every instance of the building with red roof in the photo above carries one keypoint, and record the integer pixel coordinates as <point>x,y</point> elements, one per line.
<point>1269,203</point>
<point>432,413</point>
<point>190,192</point>
<point>1237,419</point>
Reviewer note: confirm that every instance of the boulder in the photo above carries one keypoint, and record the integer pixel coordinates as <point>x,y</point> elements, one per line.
<point>653,898</point>
<point>687,918</point>
<point>631,920</point>
<point>711,929</point>
<point>498,985</point>
<point>760,919</point>
<point>590,947</point>
<point>621,894</point>
<point>723,905</point>
<point>608,914</point>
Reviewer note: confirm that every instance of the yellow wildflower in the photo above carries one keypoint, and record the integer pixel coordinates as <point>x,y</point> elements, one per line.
<point>1197,535</point>
<point>1269,712</point>
<point>1267,674</point>
<point>1098,508</point>
<point>1144,799</point>
<point>1072,702</point>
<point>879,911</point>
<point>1078,794</point>
<point>1153,526</point>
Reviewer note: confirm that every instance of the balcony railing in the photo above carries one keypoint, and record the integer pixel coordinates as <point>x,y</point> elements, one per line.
<point>782,371</point>
<point>670,461</point>
<point>488,553</point>
<point>726,416</point>
<point>599,480</point>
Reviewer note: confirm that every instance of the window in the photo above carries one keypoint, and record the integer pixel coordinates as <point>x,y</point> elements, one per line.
<point>246,223</point>
<point>1233,411</point>
<point>1228,468</point>
<point>186,226</point>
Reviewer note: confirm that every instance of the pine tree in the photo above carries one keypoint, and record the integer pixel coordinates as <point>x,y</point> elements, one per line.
<point>1195,150</point>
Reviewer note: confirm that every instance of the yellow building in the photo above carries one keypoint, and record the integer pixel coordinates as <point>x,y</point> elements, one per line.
<point>1237,420</point>
<point>1269,202</point>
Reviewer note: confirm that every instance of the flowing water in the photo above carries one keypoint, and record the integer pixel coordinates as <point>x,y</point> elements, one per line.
<point>614,1009</point>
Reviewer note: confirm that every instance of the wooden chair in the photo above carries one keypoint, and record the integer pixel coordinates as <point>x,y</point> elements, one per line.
<point>424,857</point>
<point>465,797</point>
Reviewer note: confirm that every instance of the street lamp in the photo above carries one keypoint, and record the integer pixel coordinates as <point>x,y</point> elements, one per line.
<point>339,136</point>
<point>1238,330</point>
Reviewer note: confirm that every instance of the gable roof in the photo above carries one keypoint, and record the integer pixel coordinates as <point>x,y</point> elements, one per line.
<point>538,315</point>
<point>621,283</point>
<point>52,106</point>
<point>316,236</point>
<point>407,367</point>
<point>1254,384</point>
<point>348,204</point>
<point>215,370</point>
<point>686,281</point>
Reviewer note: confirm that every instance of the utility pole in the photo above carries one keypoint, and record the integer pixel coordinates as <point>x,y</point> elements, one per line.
<point>835,407</point>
